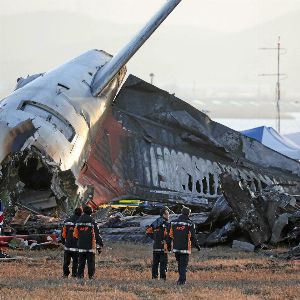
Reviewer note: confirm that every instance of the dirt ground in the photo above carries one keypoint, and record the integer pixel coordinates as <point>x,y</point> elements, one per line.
<point>123,272</point>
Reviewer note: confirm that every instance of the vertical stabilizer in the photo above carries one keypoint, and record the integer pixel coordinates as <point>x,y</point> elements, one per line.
<point>110,69</point>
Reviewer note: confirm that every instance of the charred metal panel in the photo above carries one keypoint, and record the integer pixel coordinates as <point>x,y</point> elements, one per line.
<point>148,102</point>
<point>270,215</point>
<point>155,146</point>
<point>249,211</point>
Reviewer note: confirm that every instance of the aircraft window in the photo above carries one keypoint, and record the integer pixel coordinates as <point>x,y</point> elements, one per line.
<point>50,116</point>
<point>211,184</point>
<point>205,185</point>
<point>190,184</point>
<point>198,186</point>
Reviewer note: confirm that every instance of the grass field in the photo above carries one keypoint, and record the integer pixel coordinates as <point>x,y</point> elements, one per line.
<point>123,272</point>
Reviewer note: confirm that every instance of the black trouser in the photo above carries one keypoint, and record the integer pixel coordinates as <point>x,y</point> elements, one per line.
<point>90,258</point>
<point>159,259</point>
<point>183,261</point>
<point>67,260</point>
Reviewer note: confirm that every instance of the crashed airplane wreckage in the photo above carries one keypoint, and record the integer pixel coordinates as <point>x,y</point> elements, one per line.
<point>67,138</point>
<point>50,123</point>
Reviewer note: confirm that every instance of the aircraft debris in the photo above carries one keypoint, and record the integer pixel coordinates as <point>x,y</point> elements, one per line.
<point>243,246</point>
<point>249,211</point>
<point>221,235</point>
<point>132,228</point>
<point>294,253</point>
<point>27,222</point>
<point>143,152</point>
<point>30,242</point>
<point>267,216</point>
<point>220,214</point>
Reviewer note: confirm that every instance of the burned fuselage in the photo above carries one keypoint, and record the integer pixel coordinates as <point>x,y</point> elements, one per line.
<point>154,146</point>
<point>146,144</point>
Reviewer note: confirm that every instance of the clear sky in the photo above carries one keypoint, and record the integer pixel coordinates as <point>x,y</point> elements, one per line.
<point>219,15</point>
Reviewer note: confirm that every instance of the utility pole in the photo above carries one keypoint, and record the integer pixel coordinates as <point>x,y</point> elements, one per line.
<point>278,85</point>
<point>278,74</point>
<point>151,78</point>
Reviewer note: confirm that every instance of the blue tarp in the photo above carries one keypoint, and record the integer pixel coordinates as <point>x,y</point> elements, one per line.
<point>269,137</point>
<point>294,137</point>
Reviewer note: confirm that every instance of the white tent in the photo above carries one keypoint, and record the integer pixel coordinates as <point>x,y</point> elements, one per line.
<point>272,139</point>
<point>294,137</point>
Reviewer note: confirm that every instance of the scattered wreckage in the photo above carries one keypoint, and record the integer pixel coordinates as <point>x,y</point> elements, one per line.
<point>268,217</point>
<point>26,230</point>
<point>246,219</point>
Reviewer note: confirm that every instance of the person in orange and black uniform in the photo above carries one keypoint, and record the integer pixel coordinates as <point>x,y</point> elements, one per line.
<point>158,231</point>
<point>71,250</point>
<point>182,232</point>
<point>89,240</point>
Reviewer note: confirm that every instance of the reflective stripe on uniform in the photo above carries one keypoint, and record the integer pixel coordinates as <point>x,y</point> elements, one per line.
<point>158,250</point>
<point>69,223</point>
<point>85,224</point>
<point>71,249</point>
<point>86,250</point>
<point>181,223</point>
<point>182,251</point>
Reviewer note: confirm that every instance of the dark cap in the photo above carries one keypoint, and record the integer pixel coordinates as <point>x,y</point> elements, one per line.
<point>78,211</point>
<point>163,210</point>
<point>185,211</point>
<point>87,210</point>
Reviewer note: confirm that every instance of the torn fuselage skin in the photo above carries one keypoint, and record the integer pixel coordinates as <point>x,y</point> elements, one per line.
<point>47,128</point>
<point>27,180</point>
<point>30,177</point>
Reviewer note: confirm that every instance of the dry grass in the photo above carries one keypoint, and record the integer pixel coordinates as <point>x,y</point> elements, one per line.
<point>123,272</point>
